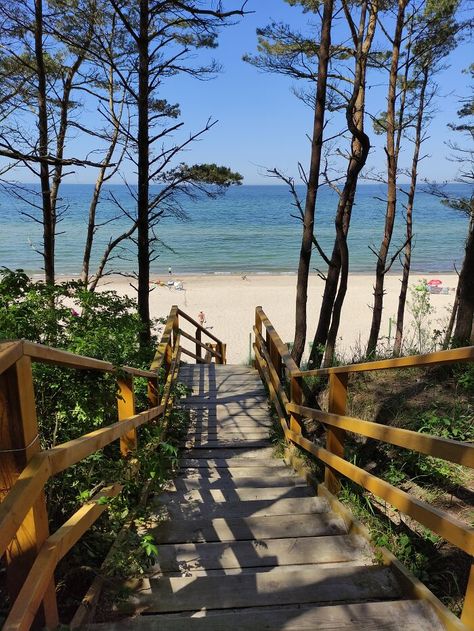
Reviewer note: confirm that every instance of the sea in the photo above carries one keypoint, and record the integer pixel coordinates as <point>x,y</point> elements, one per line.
<point>248,230</point>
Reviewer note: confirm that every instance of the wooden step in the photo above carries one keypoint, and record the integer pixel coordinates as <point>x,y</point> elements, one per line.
<point>198,482</point>
<point>225,443</point>
<point>409,615</point>
<point>245,528</point>
<point>263,453</point>
<point>233,495</point>
<point>230,473</point>
<point>217,432</point>
<point>236,509</point>
<point>308,585</point>
<point>260,553</point>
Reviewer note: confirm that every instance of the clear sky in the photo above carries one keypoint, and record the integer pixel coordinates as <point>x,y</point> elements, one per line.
<point>263,125</point>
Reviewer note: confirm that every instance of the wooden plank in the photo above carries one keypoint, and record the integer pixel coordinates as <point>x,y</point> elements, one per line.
<point>63,456</point>
<point>261,553</point>
<point>312,585</point>
<point>10,352</point>
<point>199,344</point>
<point>126,409</point>
<point>52,551</point>
<point>252,470</point>
<point>249,528</point>
<point>265,453</point>
<point>223,463</point>
<point>24,525</point>
<point>165,341</point>
<point>335,436</point>
<point>203,483</point>
<point>58,357</point>
<point>439,358</point>
<point>198,358</point>
<point>280,346</point>
<point>239,509</point>
<point>198,326</point>
<point>225,443</point>
<point>232,494</point>
<point>374,616</point>
<point>444,448</point>
<point>440,522</point>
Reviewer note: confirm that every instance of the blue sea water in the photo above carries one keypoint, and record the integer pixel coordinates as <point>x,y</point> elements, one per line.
<point>250,229</point>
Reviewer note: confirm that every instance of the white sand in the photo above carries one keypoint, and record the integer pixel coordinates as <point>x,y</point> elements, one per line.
<point>229,305</point>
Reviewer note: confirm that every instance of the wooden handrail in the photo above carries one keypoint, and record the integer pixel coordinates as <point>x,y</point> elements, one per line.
<point>11,351</point>
<point>199,343</point>
<point>444,448</point>
<point>439,358</point>
<point>270,352</point>
<point>26,485</point>
<point>199,326</point>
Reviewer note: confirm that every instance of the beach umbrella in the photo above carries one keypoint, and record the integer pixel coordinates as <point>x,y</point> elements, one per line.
<point>435,282</point>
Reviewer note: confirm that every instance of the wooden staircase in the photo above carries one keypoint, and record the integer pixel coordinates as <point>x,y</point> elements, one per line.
<point>247,544</point>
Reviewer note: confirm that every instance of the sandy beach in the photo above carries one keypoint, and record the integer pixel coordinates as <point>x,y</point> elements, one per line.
<point>229,303</point>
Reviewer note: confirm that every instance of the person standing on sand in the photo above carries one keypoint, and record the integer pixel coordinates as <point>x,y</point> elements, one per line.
<point>202,318</point>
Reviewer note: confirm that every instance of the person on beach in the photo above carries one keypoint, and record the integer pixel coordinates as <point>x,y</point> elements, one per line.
<point>202,318</point>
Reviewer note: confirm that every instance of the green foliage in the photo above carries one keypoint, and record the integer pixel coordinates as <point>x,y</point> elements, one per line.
<point>420,308</point>
<point>71,403</point>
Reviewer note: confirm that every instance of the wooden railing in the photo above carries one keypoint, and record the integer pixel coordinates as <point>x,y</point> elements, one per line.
<point>31,553</point>
<point>277,369</point>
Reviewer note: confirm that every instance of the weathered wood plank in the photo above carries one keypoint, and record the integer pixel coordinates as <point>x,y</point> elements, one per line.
<point>412,615</point>
<point>198,482</point>
<point>245,528</point>
<point>188,557</point>
<point>313,585</point>
<point>240,494</point>
<point>239,509</point>
<point>263,453</point>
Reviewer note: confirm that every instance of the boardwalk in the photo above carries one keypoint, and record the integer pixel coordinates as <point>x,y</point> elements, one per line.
<point>248,545</point>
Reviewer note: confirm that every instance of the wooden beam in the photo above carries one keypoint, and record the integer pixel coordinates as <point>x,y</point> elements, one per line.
<point>279,345</point>
<point>19,440</point>
<point>198,326</point>
<point>444,448</point>
<point>29,485</point>
<point>126,409</point>
<point>166,340</point>
<point>440,522</point>
<point>335,436</point>
<point>439,358</point>
<point>198,343</point>
<point>52,551</point>
<point>199,360</point>
<point>10,352</point>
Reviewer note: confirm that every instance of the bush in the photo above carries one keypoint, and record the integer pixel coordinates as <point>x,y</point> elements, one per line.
<point>72,402</point>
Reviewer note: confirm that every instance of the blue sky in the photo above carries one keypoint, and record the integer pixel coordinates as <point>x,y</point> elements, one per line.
<point>263,125</point>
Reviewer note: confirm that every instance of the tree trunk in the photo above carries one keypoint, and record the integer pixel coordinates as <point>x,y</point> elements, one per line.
<point>392,167</point>
<point>143,228</point>
<point>463,331</point>
<point>333,298</point>
<point>49,219</point>
<point>313,184</point>
<point>397,347</point>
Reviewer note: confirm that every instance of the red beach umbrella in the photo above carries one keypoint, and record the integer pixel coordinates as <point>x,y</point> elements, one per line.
<point>435,282</point>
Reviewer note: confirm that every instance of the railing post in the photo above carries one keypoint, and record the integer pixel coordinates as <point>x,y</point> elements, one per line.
<point>152,393</point>
<point>126,409</point>
<point>467,616</point>
<point>19,441</point>
<point>334,436</point>
<point>199,339</point>
<point>222,351</point>
<point>175,329</point>
<point>258,326</point>
<point>296,397</point>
